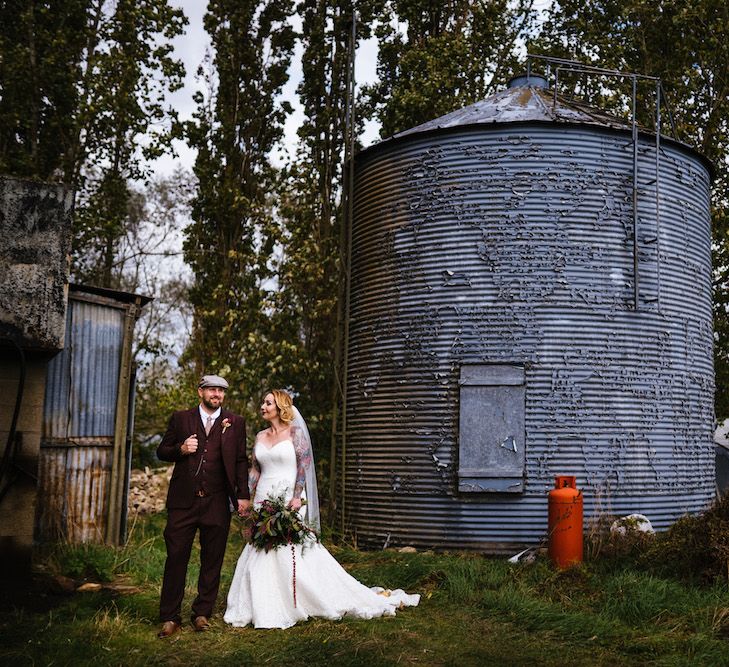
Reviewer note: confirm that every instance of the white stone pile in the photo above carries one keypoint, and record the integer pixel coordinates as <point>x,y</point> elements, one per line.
<point>148,490</point>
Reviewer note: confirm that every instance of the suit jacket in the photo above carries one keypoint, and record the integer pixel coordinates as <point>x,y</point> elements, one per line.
<point>183,424</point>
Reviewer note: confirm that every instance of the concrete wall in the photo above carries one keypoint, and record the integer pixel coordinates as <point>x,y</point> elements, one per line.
<point>17,507</point>
<point>35,241</point>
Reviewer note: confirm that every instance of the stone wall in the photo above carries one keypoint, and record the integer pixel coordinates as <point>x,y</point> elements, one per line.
<point>148,490</point>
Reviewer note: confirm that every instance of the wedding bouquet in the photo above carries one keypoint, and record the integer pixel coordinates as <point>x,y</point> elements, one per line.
<point>274,524</point>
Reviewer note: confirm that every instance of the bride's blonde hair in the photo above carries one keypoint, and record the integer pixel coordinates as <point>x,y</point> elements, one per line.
<point>284,404</point>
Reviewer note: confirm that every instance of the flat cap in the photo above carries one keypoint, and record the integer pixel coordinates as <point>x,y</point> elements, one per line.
<point>212,381</point>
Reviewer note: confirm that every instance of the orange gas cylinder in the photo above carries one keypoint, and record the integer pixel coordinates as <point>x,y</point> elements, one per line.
<point>565,522</point>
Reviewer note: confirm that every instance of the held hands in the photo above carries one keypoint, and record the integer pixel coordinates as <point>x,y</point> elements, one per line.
<point>190,445</point>
<point>244,506</point>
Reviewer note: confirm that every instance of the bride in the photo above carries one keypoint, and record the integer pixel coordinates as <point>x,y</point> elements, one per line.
<point>264,592</point>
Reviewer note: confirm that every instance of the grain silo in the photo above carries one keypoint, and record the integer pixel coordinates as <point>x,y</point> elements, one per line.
<point>507,324</point>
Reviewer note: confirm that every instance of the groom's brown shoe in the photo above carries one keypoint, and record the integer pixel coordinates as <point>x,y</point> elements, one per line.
<point>169,628</point>
<point>201,624</point>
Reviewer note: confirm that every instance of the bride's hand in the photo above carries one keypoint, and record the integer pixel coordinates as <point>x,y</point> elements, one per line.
<point>295,503</point>
<point>244,507</point>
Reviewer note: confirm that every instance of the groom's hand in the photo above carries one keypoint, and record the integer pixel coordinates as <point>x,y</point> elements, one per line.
<point>189,446</point>
<point>244,507</point>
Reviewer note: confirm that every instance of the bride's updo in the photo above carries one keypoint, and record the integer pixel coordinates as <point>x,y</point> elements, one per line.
<point>284,404</point>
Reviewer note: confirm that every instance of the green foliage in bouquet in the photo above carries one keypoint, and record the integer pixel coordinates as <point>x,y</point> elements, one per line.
<point>274,524</point>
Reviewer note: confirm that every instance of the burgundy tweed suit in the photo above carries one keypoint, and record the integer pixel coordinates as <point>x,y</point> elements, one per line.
<point>204,487</point>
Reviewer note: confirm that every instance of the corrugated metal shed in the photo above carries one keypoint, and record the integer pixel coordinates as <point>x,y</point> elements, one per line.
<point>85,447</point>
<point>494,337</point>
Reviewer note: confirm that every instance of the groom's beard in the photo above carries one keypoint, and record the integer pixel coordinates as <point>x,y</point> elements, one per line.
<point>212,405</point>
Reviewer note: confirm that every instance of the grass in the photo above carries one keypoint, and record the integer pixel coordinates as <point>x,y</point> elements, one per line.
<point>475,610</point>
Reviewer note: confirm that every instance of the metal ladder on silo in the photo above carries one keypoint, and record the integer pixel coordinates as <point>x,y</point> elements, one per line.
<point>646,237</point>
<point>651,242</point>
<point>647,250</point>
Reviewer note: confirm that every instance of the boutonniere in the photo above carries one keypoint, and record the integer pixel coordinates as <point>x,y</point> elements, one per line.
<point>226,424</point>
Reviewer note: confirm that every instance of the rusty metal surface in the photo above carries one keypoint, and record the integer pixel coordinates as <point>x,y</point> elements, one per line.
<point>512,243</point>
<point>74,483</point>
<point>83,380</point>
<point>81,417</point>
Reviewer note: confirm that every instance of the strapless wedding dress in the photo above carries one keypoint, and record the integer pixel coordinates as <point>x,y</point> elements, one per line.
<point>262,591</point>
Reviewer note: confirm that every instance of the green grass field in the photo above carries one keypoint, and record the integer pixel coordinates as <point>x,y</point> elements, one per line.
<point>475,610</point>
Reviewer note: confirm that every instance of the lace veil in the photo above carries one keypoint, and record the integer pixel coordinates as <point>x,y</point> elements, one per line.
<point>312,496</point>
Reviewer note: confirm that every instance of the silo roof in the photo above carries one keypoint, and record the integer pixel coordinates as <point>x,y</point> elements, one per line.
<point>529,100</point>
<point>530,103</point>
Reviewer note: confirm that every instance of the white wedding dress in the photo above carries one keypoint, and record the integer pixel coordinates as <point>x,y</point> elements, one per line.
<point>262,590</point>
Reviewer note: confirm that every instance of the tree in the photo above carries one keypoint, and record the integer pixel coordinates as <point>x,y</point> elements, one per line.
<point>41,51</point>
<point>448,55</point>
<point>686,44</point>
<point>149,261</point>
<point>307,267</point>
<point>83,85</point>
<point>121,121</point>
<point>230,242</point>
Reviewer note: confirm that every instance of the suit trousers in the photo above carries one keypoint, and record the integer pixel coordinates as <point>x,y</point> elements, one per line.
<point>211,516</point>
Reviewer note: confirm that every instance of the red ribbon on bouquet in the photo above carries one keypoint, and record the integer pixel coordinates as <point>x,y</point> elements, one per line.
<point>293,562</point>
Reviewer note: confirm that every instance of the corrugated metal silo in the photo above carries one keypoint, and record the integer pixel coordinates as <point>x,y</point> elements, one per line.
<point>85,446</point>
<point>494,336</point>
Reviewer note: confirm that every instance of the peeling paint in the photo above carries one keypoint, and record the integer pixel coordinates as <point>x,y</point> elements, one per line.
<point>477,242</point>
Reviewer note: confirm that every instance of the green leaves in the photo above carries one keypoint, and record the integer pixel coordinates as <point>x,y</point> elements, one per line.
<point>83,85</point>
<point>448,56</point>
<point>238,122</point>
<point>272,524</point>
<point>42,52</point>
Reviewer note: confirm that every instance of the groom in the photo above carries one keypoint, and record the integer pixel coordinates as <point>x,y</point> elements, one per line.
<point>208,447</point>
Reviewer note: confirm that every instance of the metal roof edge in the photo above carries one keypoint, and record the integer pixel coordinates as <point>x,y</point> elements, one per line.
<point>373,149</point>
<point>114,295</point>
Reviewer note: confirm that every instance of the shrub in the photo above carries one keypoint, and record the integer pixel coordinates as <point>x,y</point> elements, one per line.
<point>95,562</point>
<point>695,546</point>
